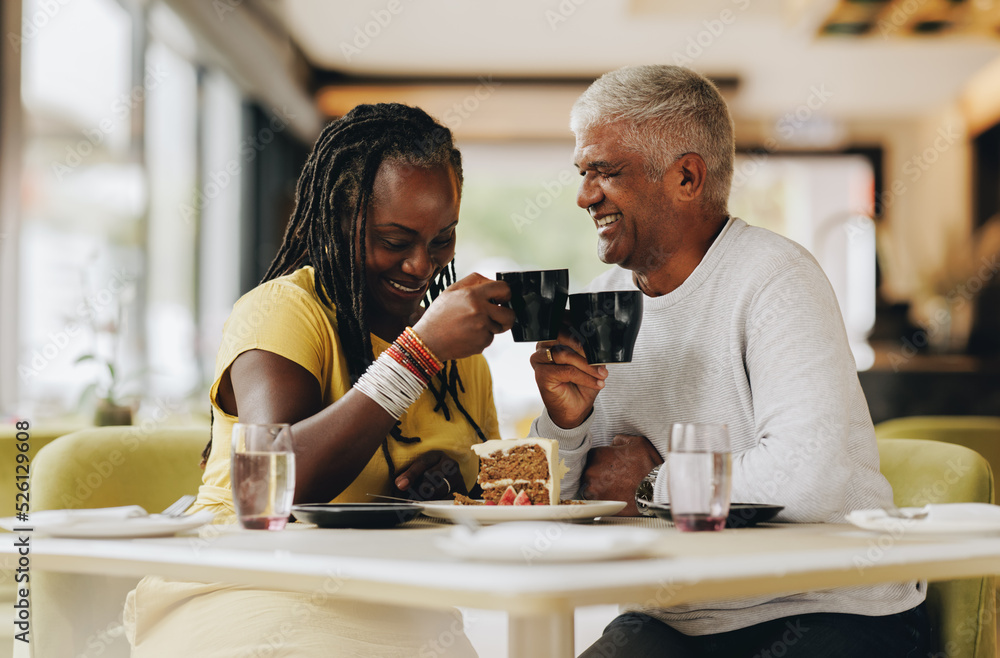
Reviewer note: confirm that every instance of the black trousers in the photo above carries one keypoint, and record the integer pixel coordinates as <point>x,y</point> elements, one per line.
<point>818,635</point>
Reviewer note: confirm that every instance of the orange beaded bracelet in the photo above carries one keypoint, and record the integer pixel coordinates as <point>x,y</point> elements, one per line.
<point>412,342</point>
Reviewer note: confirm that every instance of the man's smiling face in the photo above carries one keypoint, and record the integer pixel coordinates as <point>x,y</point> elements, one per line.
<point>632,214</point>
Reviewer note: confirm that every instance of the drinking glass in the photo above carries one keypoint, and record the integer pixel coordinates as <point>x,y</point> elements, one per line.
<point>263,475</point>
<point>699,476</point>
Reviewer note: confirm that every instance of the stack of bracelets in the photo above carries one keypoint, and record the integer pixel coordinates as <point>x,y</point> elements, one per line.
<point>400,374</point>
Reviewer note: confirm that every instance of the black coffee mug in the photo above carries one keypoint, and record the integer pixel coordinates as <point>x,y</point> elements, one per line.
<point>606,324</point>
<point>538,299</point>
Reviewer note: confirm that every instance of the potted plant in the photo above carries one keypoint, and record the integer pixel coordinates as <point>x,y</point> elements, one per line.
<point>111,408</point>
<point>106,322</point>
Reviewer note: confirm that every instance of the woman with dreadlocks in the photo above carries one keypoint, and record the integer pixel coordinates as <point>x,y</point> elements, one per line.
<point>372,235</point>
<point>385,395</point>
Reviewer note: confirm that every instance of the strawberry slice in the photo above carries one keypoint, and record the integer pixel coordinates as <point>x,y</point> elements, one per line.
<point>508,496</point>
<point>522,499</point>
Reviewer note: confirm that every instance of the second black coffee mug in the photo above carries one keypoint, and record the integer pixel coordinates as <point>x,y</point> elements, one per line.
<point>606,323</point>
<point>538,299</point>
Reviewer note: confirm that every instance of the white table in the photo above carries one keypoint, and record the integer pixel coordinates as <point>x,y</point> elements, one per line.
<point>402,566</point>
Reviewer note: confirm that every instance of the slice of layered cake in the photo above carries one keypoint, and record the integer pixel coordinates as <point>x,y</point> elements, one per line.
<point>531,467</point>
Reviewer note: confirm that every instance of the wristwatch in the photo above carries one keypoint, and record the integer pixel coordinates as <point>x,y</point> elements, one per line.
<point>644,492</point>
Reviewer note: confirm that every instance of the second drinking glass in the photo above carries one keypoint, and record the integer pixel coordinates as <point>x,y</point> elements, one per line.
<point>699,476</point>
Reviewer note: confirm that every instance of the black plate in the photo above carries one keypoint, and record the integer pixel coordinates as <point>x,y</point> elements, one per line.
<point>741,515</point>
<point>355,515</point>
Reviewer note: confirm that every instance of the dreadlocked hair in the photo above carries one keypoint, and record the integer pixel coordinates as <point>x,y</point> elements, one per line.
<point>327,227</point>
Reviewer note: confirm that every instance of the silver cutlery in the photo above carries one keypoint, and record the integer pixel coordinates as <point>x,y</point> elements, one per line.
<point>399,500</point>
<point>914,515</point>
<point>179,506</point>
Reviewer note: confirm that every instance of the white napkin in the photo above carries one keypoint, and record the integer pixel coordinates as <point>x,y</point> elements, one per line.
<point>942,512</point>
<point>64,517</point>
<point>943,517</point>
<point>964,512</point>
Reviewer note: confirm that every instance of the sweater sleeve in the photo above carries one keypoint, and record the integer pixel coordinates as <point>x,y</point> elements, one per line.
<point>574,444</point>
<point>800,369</point>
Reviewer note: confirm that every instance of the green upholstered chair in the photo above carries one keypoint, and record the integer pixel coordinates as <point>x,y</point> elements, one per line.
<point>981,433</point>
<point>103,467</point>
<point>119,465</point>
<point>921,472</point>
<point>39,435</point>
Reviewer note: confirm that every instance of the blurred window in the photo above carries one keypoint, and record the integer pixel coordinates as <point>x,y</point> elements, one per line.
<point>823,202</point>
<point>121,124</point>
<point>172,164</point>
<point>226,173</point>
<point>83,199</point>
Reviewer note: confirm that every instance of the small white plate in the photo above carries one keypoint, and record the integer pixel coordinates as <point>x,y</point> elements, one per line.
<point>944,519</point>
<point>486,514</point>
<point>535,541</point>
<point>138,526</point>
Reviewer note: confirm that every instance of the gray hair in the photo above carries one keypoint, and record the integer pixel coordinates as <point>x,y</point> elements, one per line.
<point>667,111</point>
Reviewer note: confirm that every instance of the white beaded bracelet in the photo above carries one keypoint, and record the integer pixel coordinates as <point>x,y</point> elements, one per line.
<point>390,385</point>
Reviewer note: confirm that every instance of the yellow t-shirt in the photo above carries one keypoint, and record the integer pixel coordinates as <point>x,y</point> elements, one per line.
<point>286,317</point>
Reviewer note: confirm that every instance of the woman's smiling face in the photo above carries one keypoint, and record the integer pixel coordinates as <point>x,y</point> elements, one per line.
<point>409,239</point>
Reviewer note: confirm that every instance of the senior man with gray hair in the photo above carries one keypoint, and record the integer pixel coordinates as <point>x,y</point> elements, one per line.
<point>740,326</point>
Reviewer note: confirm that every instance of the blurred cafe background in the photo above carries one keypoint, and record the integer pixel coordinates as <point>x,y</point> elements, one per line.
<point>149,151</point>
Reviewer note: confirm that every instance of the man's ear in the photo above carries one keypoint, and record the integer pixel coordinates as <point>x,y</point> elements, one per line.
<point>691,174</point>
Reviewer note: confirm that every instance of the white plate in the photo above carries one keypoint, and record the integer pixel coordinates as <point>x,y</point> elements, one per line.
<point>589,509</point>
<point>944,519</point>
<point>139,526</point>
<point>536,541</point>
